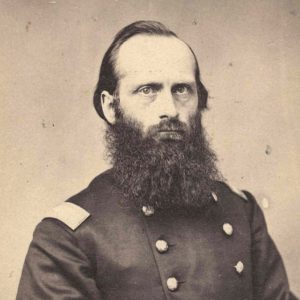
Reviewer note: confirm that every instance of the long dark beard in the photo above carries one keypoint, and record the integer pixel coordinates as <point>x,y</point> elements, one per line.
<point>169,173</point>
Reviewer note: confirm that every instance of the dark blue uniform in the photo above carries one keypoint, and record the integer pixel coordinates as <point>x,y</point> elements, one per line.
<point>110,250</point>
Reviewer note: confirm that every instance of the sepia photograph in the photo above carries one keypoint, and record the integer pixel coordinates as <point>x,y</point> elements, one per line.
<point>150,149</point>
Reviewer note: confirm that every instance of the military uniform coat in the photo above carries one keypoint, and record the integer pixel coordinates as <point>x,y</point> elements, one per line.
<point>98,246</point>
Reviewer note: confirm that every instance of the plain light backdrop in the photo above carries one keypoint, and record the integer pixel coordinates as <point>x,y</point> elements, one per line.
<point>51,137</point>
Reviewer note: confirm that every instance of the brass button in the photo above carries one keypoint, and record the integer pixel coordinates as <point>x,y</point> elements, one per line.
<point>239,267</point>
<point>148,210</point>
<point>227,228</point>
<point>172,284</point>
<point>161,246</point>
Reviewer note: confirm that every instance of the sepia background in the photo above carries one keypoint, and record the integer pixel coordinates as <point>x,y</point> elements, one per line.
<point>51,137</point>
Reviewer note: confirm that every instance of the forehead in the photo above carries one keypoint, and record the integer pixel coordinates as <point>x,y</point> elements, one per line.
<point>155,57</point>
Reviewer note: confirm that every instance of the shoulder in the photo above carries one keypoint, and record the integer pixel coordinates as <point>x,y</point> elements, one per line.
<point>79,208</point>
<point>229,191</point>
<point>237,200</point>
<point>68,213</point>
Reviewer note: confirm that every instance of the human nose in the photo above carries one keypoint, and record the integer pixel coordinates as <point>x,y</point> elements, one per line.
<point>167,106</point>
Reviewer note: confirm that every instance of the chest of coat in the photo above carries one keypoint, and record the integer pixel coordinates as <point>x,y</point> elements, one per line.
<point>207,256</point>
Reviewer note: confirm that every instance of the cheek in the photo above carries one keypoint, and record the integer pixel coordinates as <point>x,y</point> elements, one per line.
<point>135,110</point>
<point>138,113</point>
<point>188,110</point>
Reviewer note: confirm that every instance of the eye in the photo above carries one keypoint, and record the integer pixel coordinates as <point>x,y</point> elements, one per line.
<point>147,91</point>
<point>181,90</point>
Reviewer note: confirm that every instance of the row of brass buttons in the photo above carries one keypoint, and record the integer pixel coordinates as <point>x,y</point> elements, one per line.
<point>162,246</point>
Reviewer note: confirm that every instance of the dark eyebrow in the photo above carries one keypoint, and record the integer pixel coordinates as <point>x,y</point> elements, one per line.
<point>189,83</point>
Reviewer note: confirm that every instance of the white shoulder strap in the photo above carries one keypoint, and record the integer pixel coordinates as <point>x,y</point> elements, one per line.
<point>239,192</point>
<point>70,214</point>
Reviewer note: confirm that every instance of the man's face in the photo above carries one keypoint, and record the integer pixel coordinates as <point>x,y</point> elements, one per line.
<point>157,83</point>
<point>158,104</point>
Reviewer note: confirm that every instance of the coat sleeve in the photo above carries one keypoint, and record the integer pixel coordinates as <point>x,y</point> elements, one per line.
<point>269,276</point>
<point>55,267</point>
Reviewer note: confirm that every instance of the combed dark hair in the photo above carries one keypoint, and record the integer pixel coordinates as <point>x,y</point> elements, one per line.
<point>108,78</point>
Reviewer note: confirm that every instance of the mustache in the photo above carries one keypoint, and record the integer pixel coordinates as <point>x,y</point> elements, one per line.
<point>171,124</point>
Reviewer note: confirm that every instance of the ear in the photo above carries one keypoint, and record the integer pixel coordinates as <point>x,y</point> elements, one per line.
<point>107,107</point>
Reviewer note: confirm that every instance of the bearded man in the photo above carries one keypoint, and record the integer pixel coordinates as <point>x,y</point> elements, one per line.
<point>160,224</point>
